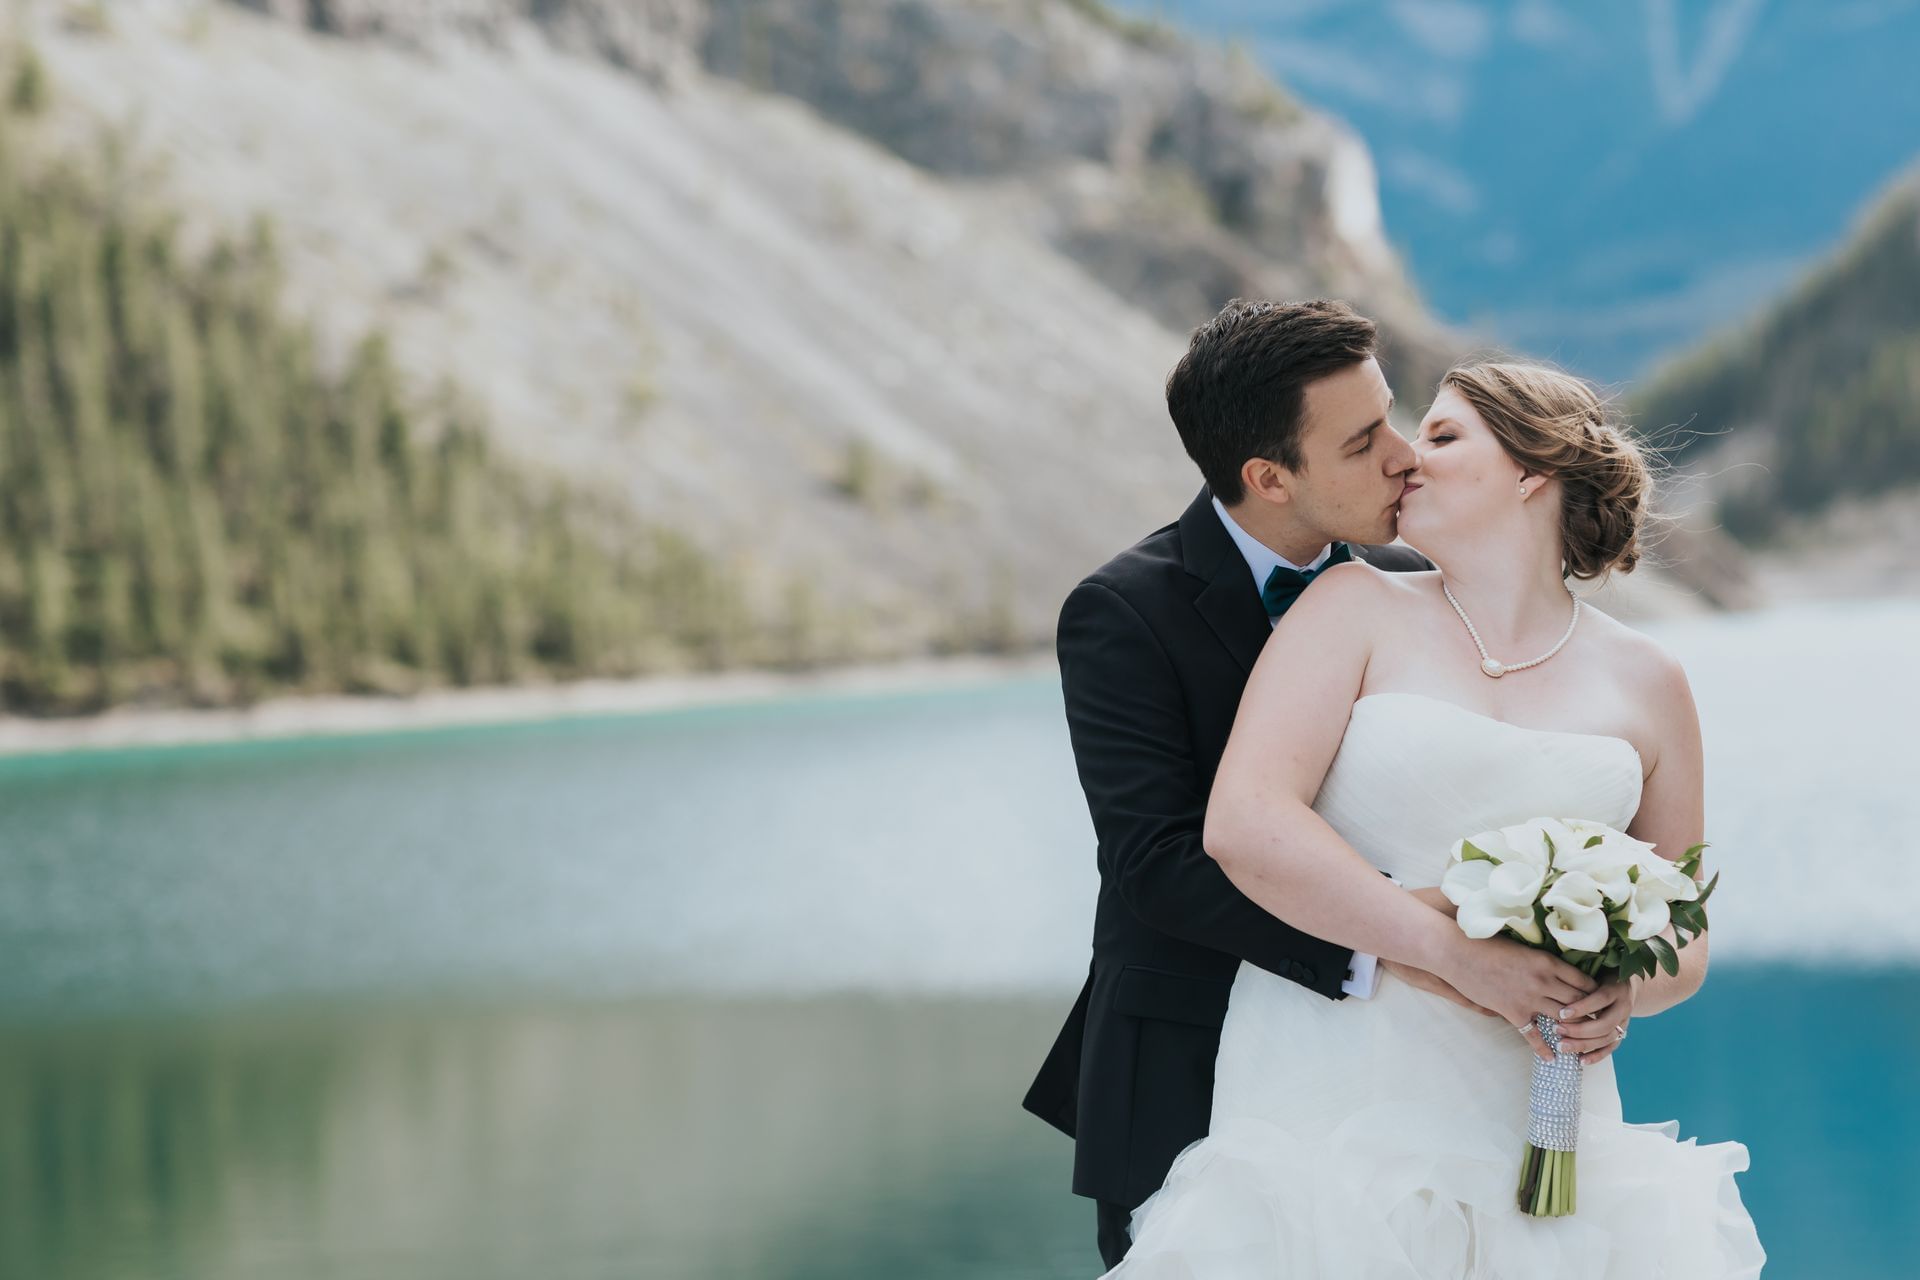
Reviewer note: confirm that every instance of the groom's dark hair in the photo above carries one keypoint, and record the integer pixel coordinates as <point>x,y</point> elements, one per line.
<point>1239,391</point>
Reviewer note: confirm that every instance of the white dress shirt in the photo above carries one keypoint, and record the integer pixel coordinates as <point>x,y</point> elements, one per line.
<point>1364,975</point>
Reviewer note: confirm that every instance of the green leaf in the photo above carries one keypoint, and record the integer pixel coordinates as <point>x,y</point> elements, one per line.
<point>1633,873</point>
<point>1592,841</point>
<point>1669,959</point>
<point>1630,957</point>
<point>1688,914</point>
<point>1470,852</point>
<point>1708,891</point>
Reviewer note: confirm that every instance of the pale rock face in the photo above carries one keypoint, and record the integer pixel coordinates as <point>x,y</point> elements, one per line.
<point>1353,197</point>
<point>896,330</point>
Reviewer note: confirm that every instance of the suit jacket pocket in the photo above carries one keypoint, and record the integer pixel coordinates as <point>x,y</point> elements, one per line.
<point>1142,992</point>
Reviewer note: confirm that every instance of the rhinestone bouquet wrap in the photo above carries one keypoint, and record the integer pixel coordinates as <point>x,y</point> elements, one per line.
<point>1604,902</point>
<point>1553,1126</point>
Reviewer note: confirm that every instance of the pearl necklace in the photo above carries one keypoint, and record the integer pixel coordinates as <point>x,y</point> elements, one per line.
<point>1497,669</point>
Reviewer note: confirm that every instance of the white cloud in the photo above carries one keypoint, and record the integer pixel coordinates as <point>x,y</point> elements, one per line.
<point>1444,186</point>
<point>1500,248</point>
<point>1713,297</point>
<point>1862,14</point>
<point>1682,91</point>
<point>1436,95</point>
<point>1542,24</point>
<point>1445,28</point>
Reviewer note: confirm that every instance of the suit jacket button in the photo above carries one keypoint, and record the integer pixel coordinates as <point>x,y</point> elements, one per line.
<point>1303,973</point>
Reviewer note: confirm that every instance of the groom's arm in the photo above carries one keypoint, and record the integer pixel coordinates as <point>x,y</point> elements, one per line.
<point>1127,716</point>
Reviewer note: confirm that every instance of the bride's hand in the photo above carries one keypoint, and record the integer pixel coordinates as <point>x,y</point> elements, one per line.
<point>1515,980</point>
<point>1589,1027</point>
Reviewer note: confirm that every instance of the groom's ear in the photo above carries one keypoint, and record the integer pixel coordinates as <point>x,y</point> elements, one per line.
<point>1267,479</point>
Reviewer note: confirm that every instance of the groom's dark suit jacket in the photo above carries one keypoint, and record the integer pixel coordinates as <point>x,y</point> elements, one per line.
<point>1155,648</point>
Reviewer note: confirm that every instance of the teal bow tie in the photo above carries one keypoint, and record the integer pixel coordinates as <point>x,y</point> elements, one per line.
<point>1284,585</point>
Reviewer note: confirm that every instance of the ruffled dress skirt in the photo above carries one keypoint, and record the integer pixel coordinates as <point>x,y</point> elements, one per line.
<point>1382,1139</point>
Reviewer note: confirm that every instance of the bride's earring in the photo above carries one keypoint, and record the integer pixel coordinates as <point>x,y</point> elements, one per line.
<point>1524,495</point>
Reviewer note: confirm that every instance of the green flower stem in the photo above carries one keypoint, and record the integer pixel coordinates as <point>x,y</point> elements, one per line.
<point>1549,1183</point>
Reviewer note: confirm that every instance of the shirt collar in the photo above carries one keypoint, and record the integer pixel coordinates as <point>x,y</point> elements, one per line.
<point>1261,558</point>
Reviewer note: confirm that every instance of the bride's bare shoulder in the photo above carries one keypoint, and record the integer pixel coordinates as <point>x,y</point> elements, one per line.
<point>1359,585</point>
<point>1355,601</point>
<point>1641,664</point>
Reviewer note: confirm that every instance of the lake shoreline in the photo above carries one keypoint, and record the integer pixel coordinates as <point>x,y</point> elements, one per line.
<point>325,715</point>
<point>321,715</point>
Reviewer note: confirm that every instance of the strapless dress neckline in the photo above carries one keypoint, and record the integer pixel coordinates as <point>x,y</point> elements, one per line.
<point>1481,715</point>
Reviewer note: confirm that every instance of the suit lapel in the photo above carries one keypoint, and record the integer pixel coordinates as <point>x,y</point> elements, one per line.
<point>1227,598</point>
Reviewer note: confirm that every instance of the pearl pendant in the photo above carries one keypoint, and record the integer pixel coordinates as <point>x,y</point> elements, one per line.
<point>1494,669</point>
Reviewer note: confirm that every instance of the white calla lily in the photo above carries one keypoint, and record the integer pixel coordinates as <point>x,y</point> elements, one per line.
<point>1576,914</point>
<point>1574,889</point>
<point>1607,870</point>
<point>1671,882</point>
<point>1608,856</point>
<point>1516,884</point>
<point>1488,844</point>
<point>1481,917</point>
<point>1528,840</point>
<point>1648,913</point>
<point>1578,928</point>
<point>1608,835</point>
<point>1464,880</point>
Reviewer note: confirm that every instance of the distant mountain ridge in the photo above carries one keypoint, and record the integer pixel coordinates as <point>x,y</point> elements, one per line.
<point>1817,397</point>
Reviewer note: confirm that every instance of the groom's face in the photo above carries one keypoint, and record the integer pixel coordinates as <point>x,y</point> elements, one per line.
<point>1349,487</point>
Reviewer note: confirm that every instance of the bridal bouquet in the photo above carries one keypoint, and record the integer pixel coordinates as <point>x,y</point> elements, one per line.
<point>1598,899</point>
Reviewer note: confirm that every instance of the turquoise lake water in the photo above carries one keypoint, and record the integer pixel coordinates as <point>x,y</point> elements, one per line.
<point>754,991</point>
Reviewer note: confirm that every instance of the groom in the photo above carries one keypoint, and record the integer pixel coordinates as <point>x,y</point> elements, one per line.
<point>1284,409</point>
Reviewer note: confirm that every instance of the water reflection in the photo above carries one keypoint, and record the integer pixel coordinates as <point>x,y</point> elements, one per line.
<point>667,1138</point>
<point>832,1137</point>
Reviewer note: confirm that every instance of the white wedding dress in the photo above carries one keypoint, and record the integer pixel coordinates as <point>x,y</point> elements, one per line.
<point>1381,1139</point>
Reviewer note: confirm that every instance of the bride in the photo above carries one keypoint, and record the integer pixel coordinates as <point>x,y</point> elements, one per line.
<point>1389,715</point>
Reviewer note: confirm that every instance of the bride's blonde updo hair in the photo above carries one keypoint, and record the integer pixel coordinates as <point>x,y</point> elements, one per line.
<point>1552,422</point>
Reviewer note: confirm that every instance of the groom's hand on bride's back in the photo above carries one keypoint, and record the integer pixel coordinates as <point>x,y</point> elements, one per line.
<point>1420,978</point>
<point>1515,981</point>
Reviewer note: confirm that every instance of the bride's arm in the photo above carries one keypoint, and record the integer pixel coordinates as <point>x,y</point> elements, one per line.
<point>1672,818</point>
<point>1130,724</point>
<point>1260,825</point>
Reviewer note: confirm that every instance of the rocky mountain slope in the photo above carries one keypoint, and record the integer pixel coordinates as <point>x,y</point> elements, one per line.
<point>862,361</point>
<point>870,298</point>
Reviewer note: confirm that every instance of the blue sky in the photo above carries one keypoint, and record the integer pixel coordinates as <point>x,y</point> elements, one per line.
<point>1603,182</point>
